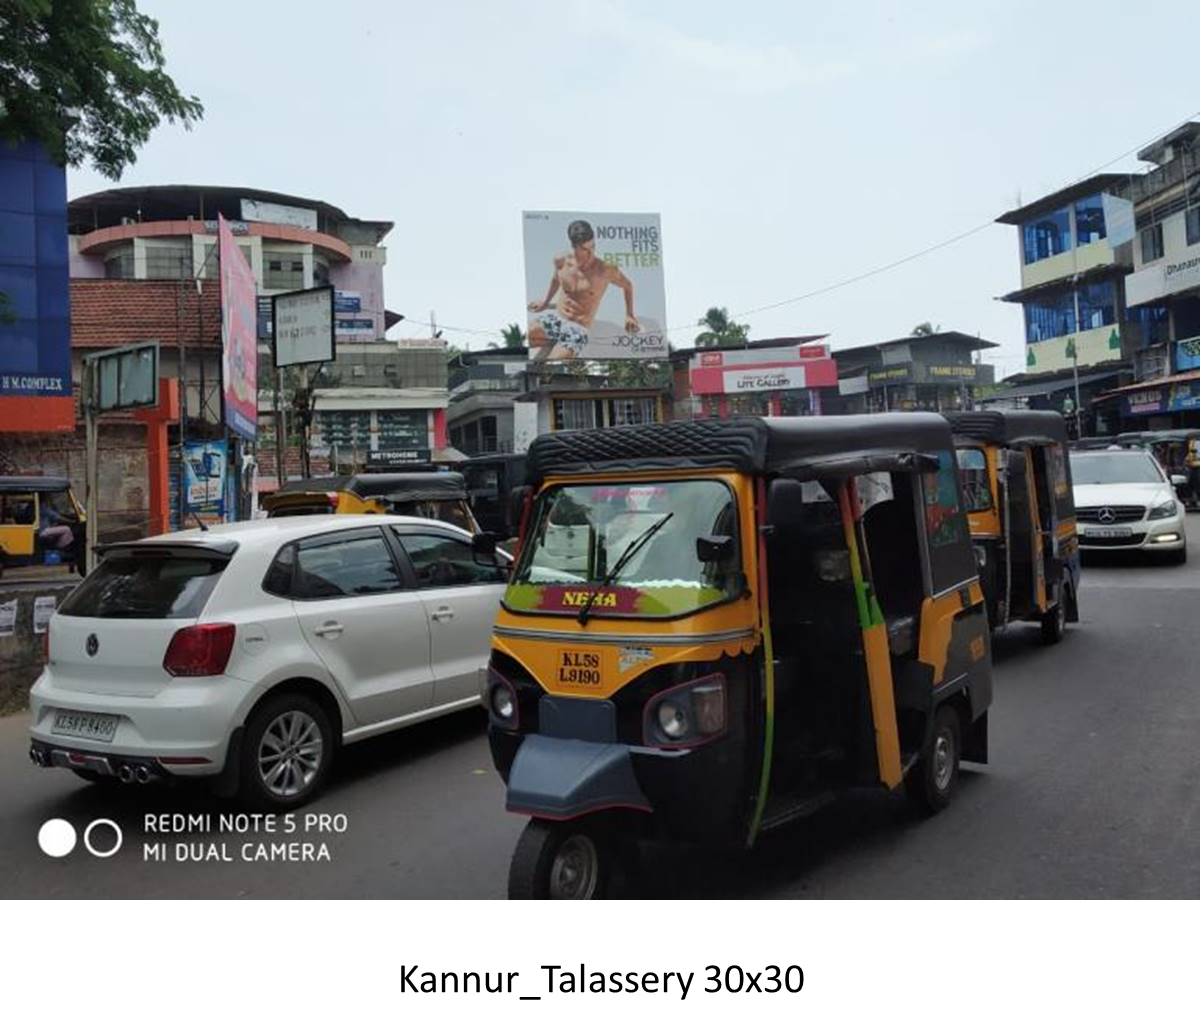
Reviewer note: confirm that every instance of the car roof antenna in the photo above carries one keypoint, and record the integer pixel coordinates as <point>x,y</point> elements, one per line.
<point>203,527</point>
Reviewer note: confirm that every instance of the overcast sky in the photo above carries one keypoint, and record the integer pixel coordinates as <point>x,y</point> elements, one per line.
<point>786,145</point>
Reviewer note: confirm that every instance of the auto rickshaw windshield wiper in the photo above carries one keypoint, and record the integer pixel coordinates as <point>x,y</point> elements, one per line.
<point>632,548</point>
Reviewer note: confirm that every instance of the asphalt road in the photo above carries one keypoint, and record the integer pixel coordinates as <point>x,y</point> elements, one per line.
<point>1092,791</point>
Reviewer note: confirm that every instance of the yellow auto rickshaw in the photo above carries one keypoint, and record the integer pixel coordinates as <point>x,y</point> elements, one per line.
<point>41,522</point>
<point>438,495</point>
<point>1018,492</point>
<point>713,627</point>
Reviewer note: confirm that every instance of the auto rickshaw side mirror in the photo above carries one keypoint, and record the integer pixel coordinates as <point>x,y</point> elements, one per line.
<point>715,549</point>
<point>518,497</point>
<point>785,508</point>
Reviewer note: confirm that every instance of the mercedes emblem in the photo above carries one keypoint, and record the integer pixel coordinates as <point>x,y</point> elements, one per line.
<point>1106,515</point>
<point>92,645</point>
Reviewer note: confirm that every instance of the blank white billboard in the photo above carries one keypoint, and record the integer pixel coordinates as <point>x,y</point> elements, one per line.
<point>303,326</point>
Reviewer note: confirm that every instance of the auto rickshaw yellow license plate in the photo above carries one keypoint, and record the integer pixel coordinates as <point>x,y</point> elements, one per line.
<point>579,668</point>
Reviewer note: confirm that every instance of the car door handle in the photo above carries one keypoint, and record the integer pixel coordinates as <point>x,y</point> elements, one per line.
<point>328,629</point>
<point>442,614</point>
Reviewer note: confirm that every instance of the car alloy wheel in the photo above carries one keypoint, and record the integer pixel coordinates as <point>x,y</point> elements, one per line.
<point>290,754</point>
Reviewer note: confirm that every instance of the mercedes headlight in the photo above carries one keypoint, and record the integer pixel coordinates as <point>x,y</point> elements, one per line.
<point>1166,510</point>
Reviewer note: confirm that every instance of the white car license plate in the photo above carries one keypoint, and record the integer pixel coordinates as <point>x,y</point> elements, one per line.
<point>1106,532</point>
<point>85,726</point>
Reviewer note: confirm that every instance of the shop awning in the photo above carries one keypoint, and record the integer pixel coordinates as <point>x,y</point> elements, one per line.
<point>1048,386</point>
<point>1166,380</point>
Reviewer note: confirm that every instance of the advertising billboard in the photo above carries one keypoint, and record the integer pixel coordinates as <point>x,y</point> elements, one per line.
<point>767,369</point>
<point>594,286</point>
<point>303,326</point>
<point>35,345</point>
<point>239,343</point>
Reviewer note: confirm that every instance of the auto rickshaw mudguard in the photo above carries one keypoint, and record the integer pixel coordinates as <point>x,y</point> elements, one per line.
<point>562,778</point>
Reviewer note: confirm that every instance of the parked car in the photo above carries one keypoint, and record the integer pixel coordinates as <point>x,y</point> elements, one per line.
<point>250,652</point>
<point>1125,501</point>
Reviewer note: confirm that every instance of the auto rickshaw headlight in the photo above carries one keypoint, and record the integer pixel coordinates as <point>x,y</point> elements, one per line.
<point>687,714</point>
<point>502,700</point>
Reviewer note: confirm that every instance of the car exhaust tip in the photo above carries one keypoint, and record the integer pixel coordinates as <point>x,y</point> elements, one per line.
<point>143,774</point>
<point>125,774</point>
<point>35,756</point>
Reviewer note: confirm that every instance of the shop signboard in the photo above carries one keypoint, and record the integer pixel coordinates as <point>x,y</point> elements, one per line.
<point>1143,401</point>
<point>952,372</point>
<point>594,285</point>
<point>1183,396</point>
<point>762,370</point>
<point>889,376</point>
<point>1187,354</point>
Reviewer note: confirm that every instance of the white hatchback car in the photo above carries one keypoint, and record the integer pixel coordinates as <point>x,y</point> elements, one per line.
<point>250,651</point>
<point>1125,501</point>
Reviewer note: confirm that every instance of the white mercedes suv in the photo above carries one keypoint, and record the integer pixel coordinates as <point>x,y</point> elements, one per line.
<point>1125,501</point>
<point>249,652</point>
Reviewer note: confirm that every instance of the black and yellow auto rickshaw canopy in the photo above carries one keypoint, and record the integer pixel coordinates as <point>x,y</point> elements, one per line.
<point>396,487</point>
<point>797,447</point>
<point>1033,428</point>
<point>34,483</point>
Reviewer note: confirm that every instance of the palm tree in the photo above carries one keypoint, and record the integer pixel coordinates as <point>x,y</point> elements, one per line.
<point>512,335</point>
<point>720,330</point>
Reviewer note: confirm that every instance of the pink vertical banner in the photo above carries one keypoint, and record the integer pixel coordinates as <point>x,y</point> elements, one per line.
<point>239,343</point>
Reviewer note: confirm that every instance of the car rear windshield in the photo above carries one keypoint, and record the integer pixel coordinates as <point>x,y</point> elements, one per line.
<point>1112,467</point>
<point>131,584</point>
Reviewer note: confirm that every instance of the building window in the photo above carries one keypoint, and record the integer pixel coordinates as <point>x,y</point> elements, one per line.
<point>283,270</point>
<point>1047,236</point>
<point>1095,305</point>
<point>576,414</point>
<point>1151,325</point>
<point>119,264</point>
<point>174,262</point>
<point>403,430</point>
<point>1151,243</point>
<point>632,411</point>
<point>1091,220</point>
<point>321,272</point>
<point>1050,317</point>
<point>1191,226</point>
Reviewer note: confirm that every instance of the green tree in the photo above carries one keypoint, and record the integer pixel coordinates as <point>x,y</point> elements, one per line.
<point>720,330</point>
<point>513,336</point>
<point>86,79</point>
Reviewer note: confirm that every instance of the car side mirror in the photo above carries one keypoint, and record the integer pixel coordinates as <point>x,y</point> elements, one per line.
<point>519,497</point>
<point>785,508</point>
<point>484,548</point>
<point>715,549</point>
<point>1178,480</point>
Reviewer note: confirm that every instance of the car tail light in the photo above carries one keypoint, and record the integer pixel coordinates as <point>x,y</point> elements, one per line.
<point>200,649</point>
<point>687,714</point>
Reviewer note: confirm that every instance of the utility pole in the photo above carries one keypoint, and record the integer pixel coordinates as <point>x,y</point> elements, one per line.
<point>91,481</point>
<point>181,499</point>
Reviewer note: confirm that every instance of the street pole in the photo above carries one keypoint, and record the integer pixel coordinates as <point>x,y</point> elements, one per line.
<point>91,484</point>
<point>1076,391</point>
<point>279,428</point>
<point>181,500</point>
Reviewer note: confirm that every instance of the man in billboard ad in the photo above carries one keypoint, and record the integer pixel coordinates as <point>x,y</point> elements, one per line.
<point>239,330</point>
<point>572,261</point>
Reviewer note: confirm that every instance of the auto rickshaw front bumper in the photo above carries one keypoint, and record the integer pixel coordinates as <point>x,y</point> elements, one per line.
<point>561,779</point>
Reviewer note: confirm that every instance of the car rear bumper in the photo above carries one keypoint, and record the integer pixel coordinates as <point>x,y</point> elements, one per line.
<point>182,730</point>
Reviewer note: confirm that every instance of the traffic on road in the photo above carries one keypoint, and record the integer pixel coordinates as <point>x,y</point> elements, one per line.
<point>743,641</point>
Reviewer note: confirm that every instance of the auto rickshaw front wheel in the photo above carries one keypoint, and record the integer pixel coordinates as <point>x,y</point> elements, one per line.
<point>932,781</point>
<point>577,860</point>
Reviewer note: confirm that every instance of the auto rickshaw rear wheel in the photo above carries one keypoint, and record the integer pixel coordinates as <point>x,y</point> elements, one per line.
<point>563,861</point>
<point>932,781</point>
<point>1051,625</point>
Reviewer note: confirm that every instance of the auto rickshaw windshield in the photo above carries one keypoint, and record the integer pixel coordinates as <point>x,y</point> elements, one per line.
<point>640,538</point>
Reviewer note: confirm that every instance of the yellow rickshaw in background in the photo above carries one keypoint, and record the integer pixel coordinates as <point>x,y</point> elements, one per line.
<point>41,522</point>
<point>714,627</point>
<point>1018,492</point>
<point>438,495</point>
